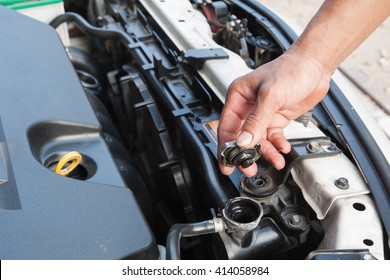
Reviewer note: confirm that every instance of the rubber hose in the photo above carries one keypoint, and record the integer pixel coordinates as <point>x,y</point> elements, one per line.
<point>206,164</point>
<point>178,231</point>
<point>89,29</point>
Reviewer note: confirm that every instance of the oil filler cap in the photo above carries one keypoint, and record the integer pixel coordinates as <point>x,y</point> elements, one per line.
<point>68,163</point>
<point>233,155</point>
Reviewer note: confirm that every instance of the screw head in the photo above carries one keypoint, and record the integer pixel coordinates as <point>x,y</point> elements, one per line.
<point>297,221</point>
<point>332,148</point>
<point>313,147</point>
<point>342,183</point>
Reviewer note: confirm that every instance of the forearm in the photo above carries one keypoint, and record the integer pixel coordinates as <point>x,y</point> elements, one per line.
<point>338,28</point>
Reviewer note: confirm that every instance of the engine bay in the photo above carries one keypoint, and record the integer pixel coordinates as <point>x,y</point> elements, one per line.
<point>137,95</point>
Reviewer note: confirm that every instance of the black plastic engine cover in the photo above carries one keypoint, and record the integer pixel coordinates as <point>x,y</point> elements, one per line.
<point>44,113</point>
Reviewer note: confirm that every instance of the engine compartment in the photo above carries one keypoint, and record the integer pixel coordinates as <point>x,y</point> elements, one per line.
<point>141,105</point>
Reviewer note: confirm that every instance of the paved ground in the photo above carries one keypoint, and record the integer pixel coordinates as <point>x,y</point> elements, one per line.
<point>369,65</point>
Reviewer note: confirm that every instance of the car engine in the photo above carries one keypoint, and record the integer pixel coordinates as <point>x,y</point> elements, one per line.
<point>109,144</point>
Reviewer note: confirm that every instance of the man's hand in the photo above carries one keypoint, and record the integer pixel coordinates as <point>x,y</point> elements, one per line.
<point>260,104</point>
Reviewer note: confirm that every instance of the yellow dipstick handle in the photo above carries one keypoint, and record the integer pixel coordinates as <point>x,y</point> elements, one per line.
<point>74,158</point>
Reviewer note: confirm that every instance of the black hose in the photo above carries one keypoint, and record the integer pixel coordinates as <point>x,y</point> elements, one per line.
<point>89,29</point>
<point>185,230</point>
<point>206,163</point>
<point>100,33</point>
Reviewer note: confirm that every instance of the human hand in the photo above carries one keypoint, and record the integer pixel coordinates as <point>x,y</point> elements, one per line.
<point>260,104</point>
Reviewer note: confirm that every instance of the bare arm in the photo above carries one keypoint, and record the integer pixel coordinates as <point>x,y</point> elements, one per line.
<point>260,104</point>
<point>339,27</point>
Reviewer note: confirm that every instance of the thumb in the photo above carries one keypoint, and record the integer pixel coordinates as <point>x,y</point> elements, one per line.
<point>255,126</point>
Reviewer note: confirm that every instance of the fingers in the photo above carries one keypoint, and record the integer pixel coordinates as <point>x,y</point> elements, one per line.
<point>249,171</point>
<point>257,122</point>
<point>260,104</point>
<point>278,140</point>
<point>225,170</point>
<point>270,153</point>
<point>243,116</point>
<point>271,148</point>
<point>236,110</point>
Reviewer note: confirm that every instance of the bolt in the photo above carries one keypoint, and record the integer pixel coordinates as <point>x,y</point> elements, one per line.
<point>342,183</point>
<point>295,219</point>
<point>332,148</point>
<point>313,147</point>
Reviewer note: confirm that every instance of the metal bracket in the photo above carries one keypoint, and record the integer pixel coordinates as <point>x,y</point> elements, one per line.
<point>300,149</point>
<point>357,254</point>
<point>308,148</point>
<point>320,179</point>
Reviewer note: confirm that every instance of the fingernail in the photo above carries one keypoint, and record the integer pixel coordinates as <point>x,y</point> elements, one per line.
<point>244,139</point>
